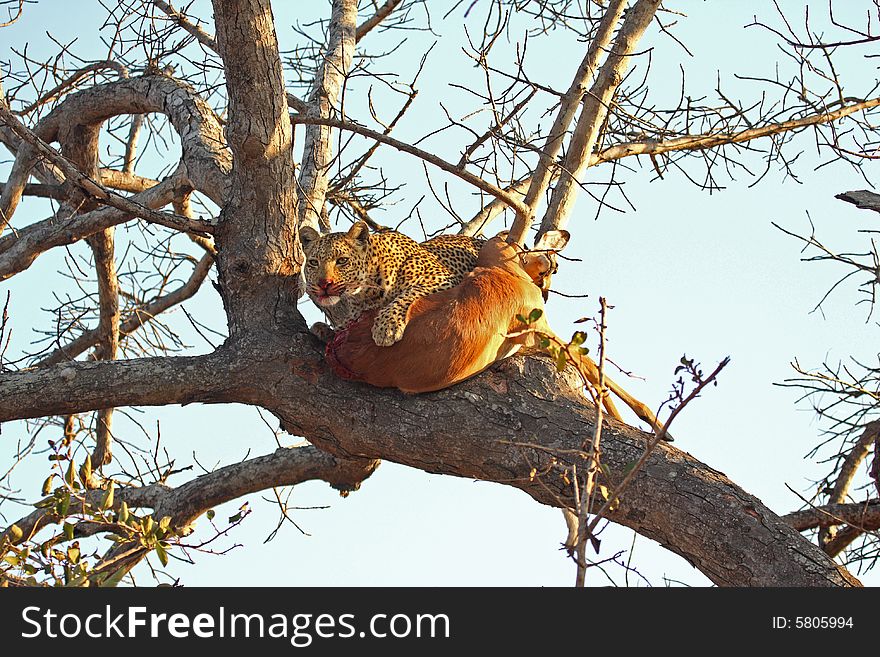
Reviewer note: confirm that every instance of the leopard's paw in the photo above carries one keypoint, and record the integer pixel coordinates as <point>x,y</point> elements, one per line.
<point>387,331</point>
<point>322,331</point>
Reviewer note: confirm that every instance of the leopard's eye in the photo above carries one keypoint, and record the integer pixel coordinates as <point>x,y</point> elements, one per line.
<point>342,261</point>
<point>312,262</point>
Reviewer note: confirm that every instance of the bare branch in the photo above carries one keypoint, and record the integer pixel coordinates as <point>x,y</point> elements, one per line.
<point>88,385</point>
<point>568,105</point>
<point>201,36</point>
<point>323,99</point>
<point>287,466</point>
<point>864,515</point>
<point>131,145</point>
<point>205,154</point>
<point>18,250</point>
<point>136,319</point>
<point>707,141</point>
<point>108,329</point>
<point>862,199</point>
<point>588,127</point>
<point>95,190</point>
<point>506,197</point>
<point>71,81</point>
<point>847,472</point>
<point>374,20</point>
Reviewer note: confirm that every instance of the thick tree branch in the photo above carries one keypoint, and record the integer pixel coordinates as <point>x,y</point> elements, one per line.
<point>87,184</point>
<point>864,515</point>
<point>322,100</point>
<point>88,385</point>
<point>256,236</point>
<point>201,36</point>
<point>529,426</point>
<point>862,199</point>
<point>287,466</point>
<point>568,106</point>
<point>524,401</point>
<point>595,109</point>
<point>202,140</point>
<point>137,318</point>
<point>856,456</point>
<point>103,249</point>
<point>19,249</point>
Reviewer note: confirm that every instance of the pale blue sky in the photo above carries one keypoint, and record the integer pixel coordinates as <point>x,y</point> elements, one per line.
<point>687,272</point>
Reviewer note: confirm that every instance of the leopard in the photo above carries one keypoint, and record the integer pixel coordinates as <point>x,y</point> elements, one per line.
<point>350,272</point>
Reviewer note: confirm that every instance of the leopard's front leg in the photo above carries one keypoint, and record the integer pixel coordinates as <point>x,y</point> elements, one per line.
<point>390,322</point>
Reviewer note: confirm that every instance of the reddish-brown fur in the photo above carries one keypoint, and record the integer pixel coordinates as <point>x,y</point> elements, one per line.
<point>450,335</point>
<point>459,332</point>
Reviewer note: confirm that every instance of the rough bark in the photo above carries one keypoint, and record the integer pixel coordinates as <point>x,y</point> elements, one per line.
<point>322,102</point>
<point>517,424</point>
<point>257,226</point>
<point>203,151</point>
<point>596,103</point>
<point>287,466</point>
<point>497,427</point>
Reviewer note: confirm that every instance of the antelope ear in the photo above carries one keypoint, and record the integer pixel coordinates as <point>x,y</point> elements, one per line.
<point>553,240</point>
<point>359,232</point>
<point>307,235</point>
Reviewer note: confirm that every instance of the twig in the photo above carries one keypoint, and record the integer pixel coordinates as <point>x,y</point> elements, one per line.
<point>93,189</point>
<point>588,491</point>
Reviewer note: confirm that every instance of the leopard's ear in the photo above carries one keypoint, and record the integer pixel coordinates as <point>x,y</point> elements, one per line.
<point>307,235</point>
<point>359,232</point>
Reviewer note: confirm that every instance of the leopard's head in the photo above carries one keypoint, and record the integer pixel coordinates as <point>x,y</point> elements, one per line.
<point>337,264</point>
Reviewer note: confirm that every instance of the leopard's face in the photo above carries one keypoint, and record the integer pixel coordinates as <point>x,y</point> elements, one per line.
<point>336,266</point>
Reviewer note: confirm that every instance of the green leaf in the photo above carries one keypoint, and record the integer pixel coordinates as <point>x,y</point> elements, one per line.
<point>162,554</point>
<point>561,360</point>
<point>521,319</point>
<point>45,502</point>
<point>68,531</point>
<point>535,315</point>
<point>73,553</point>
<point>123,513</point>
<point>114,579</point>
<point>544,342</point>
<point>210,514</point>
<point>85,472</point>
<point>148,525</point>
<point>70,474</point>
<point>107,502</point>
<point>15,533</point>
<point>235,518</point>
<point>47,485</point>
<point>63,505</point>
<point>165,523</point>
<point>578,338</point>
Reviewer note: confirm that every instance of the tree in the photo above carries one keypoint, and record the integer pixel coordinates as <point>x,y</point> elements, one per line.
<point>534,147</point>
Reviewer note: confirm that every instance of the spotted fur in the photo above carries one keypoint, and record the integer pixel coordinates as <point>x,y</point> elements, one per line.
<point>350,272</point>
